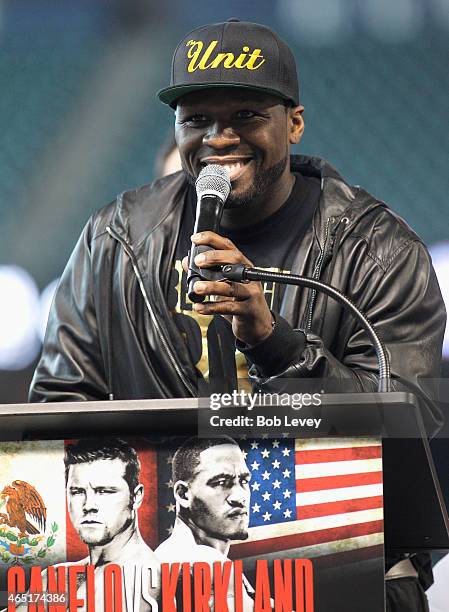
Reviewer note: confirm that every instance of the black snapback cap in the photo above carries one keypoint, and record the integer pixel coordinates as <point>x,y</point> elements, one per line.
<point>232,54</point>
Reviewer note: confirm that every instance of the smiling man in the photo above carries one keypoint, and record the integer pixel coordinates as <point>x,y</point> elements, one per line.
<point>121,325</point>
<point>256,153</point>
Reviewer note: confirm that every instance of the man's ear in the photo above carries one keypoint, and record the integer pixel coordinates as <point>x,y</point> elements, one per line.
<point>296,123</point>
<point>182,493</point>
<point>138,496</point>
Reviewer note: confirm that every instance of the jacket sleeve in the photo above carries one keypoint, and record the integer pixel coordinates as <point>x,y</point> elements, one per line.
<point>71,366</point>
<point>408,313</point>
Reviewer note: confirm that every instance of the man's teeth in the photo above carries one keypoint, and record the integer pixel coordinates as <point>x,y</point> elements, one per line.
<point>233,169</point>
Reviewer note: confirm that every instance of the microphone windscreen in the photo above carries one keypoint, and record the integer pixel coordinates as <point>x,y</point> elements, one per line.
<point>213,180</point>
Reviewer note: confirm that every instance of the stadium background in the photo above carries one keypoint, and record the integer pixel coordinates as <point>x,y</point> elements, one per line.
<point>79,122</point>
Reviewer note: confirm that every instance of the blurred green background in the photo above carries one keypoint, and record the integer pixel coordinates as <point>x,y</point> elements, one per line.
<point>79,121</point>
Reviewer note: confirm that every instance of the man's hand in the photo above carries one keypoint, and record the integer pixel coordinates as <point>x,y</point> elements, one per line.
<point>244,305</point>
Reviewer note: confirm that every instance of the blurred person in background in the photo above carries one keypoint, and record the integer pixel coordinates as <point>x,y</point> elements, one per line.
<point>167,158</point>
<point>121,325</point>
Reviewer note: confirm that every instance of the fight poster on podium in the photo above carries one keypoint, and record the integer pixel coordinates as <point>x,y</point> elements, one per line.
<point>192,524</point>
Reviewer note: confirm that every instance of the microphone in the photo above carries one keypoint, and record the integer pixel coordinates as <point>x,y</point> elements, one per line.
<point>212,189</point>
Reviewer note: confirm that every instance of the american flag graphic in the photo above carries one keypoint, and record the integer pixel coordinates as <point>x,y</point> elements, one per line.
<point>314,497</point>
<point>309,498</point>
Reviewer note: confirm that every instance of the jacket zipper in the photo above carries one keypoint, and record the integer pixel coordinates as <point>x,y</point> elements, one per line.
<point>317,272</point>
<point>328,237</point>
<point>128,250</point>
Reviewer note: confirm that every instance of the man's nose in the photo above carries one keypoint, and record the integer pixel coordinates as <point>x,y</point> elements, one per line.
<point>237,496</point>
<point>90,502</point>
<point>219,137</point>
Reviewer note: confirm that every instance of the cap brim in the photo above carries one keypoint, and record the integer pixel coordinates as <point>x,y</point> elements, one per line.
<point>170,95</point>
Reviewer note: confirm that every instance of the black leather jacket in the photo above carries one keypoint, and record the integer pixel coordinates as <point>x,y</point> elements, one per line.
<point>111,334</point>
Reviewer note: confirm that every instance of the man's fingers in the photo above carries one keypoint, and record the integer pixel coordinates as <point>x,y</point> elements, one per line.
<point>223,251</point>
<point>223,307</point>
<point>223,289</point>
<point>214,240</point>
<point>217,258</point>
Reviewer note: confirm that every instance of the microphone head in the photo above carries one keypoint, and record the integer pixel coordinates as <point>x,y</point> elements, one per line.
<point>213,180</point>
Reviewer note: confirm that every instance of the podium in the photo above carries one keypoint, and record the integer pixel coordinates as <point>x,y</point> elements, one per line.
<point>349,574</point>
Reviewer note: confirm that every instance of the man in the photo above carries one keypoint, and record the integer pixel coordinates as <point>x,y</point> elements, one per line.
<point>211,489</point>
<point>103,497</point>
<point>120,325</point>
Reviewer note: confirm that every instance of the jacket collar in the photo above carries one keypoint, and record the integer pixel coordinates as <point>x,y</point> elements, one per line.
<point>339,199</point>
<point>139,212</point>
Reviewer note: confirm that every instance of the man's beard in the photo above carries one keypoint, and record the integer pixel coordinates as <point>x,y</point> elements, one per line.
<point>200,513</point>
<point>263,180</point>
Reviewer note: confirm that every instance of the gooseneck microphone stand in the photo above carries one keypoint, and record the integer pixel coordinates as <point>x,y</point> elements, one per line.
<point>241,273</point>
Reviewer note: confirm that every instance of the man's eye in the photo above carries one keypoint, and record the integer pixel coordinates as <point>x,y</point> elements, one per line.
<point>220,483</point>
<point>246,114</point>
<point>76,491</point>
<point>195,119</point>
<point>244,481</point>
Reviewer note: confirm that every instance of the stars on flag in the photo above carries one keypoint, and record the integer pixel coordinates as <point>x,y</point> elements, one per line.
<point>271,463</point>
